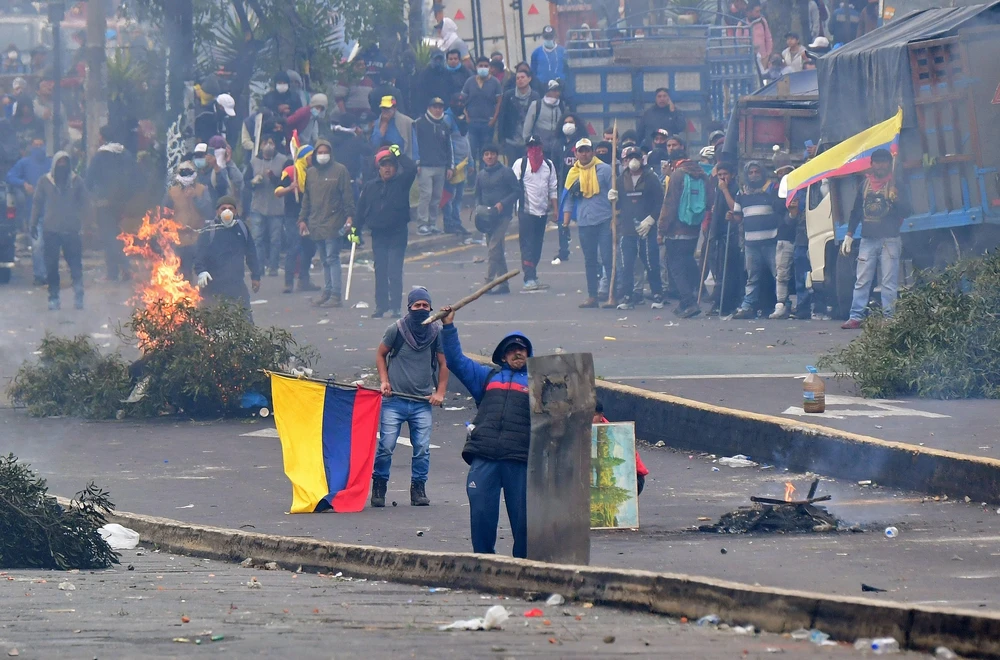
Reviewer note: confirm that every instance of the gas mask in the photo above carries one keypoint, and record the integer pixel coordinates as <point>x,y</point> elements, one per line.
<point>228,217</point>
<point>635,164</point>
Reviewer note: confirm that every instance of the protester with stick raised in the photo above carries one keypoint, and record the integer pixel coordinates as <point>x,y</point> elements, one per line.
<point>410,362</point>
<point>497,446</point>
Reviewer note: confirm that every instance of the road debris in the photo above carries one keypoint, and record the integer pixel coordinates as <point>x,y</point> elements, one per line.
<point>247,563</point>
<point>67,586</point>
<point>876,590</point>
<point>891,532</point>
<point>555,599</point>
<point>118,537</point>
<point>532,613</point>
<point>737,461</point>
<point>254,583</point>
<point>271,566</point>
<point>494,620</point>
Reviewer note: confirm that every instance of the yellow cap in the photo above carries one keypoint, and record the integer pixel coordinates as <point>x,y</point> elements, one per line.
<point>387,102</point>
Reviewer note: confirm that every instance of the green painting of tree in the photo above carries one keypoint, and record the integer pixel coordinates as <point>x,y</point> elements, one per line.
<point>606,496</point>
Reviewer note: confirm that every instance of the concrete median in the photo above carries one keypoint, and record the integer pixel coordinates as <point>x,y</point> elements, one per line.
<point>800,446</point>
<point>971,634</point>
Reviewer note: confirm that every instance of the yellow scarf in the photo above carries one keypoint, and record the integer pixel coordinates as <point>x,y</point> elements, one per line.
<point>586,175</point>
<point>203,97</point>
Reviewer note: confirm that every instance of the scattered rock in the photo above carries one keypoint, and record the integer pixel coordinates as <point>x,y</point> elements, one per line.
<point>247,563</point>
<point>67,586</point>
<point>610,639</point>
<point>271,566</point>
<point>254,583</point>
<point>555,599</point>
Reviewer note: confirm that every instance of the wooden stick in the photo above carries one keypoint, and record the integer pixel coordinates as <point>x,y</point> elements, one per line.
<point>440,314</point>
<point>344,386</point>
<point>704,265</point>
<point>614,213</point>
<point>768,500</point>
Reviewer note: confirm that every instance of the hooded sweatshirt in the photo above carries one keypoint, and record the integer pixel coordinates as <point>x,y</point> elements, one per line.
<point>670,225</point>
<point>328,200</point>
<point>59,207</point>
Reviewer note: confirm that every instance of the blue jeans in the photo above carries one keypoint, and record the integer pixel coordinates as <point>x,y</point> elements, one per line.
<point>395,411</point>
<point>883,253</point>
<point>266,231</point>
<point>483,485</point>
<point>453,209</point>
<point>329,252</point>
<point>598,251</point>
<point>803,296</point>
<point>480,135</point>
<point>760,255</point>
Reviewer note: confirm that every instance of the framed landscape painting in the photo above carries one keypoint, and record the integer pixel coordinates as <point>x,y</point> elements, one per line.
<point>614,500</point>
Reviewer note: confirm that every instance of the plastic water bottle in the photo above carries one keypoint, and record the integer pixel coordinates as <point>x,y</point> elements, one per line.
<point>891,532</point>
<point>813,392</point>
<point>885,646</point>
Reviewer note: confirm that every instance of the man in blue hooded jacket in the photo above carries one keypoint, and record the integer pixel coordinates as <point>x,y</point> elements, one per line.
<point>497,446</point>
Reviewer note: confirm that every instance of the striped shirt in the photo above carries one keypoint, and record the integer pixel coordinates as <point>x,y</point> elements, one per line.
<point>762,212</point>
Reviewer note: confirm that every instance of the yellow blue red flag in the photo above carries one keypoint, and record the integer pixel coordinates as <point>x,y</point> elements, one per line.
<point>328,438</point>
<point>852,156</point>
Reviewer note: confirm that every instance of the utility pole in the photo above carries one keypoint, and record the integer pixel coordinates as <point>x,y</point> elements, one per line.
<point>57,10</point>
<point>96,96</point>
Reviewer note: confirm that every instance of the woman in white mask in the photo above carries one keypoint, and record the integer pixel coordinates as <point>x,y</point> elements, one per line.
<point>282,94</point>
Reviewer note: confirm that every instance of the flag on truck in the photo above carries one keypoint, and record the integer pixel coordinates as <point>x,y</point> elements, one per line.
<point>852,156</point>
<point>328,440</point>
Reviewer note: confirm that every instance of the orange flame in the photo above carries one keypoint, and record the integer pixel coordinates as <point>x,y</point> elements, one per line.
<point>154,243</point>
<point>789,491</point>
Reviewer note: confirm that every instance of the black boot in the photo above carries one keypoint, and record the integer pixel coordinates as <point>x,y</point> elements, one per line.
<point>378,492</point>
<point>417,495</point>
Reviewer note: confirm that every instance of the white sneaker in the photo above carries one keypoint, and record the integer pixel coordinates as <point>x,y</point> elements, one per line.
<point>819,316</point>
<point>556,261</point>
<point>779,312</point>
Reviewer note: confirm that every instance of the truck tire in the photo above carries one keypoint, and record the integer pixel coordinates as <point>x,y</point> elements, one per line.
<point>844,278</point>
<point>4,275</point>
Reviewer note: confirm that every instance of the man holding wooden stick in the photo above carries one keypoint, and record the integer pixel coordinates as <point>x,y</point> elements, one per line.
<point>411,363</point>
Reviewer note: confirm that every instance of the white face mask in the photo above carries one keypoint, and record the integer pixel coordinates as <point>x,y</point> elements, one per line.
<point>550,100</point>
<point>322,159</point>
<point>483,72</point>
<point>281,88</point>
<point>569,129</point>
<point>186,180</point>
<point>228,217</point>
<point>634,165</point>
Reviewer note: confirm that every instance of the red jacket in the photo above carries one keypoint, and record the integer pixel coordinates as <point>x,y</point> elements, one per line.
<point>640,467</point>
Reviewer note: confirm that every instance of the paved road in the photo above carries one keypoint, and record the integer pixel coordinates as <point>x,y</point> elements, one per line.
<point>138,614</point>
<point>751,365</point>
<point>215,473</point>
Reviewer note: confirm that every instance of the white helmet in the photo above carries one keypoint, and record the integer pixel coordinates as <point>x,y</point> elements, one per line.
<point>708,153</point>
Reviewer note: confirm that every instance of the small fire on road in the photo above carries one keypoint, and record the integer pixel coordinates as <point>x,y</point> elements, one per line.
<point>789,491</point>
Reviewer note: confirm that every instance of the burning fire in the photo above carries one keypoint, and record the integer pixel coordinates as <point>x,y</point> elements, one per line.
<point>789,491</point>
<point>154,243</point>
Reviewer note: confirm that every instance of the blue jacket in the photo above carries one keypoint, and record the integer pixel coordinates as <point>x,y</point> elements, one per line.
<point>548,65</point>
<point>590,211</point>
<point>502,428</point>
<point>29,169</point>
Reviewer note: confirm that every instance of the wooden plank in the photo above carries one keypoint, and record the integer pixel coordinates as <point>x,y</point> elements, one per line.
<point>562,399</point>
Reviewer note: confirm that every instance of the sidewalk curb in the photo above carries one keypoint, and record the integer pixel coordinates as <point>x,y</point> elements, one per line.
<point>800,446</point>
<point>968,633</point>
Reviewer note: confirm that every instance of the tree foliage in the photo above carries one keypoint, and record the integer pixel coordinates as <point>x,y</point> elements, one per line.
<point>606,496</point>
<point>200,361</point>
<point>36,532</point>
<point>942,342</point>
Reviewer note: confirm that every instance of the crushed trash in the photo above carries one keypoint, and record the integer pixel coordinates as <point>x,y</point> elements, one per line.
<point>494,620</point>
<point>254,584</point>
<point>555,599</point>
<point>944,652</point>
<point>708,620</point>
<point>891,532</point>
<point>737,461</point>
<point>744,630</point>
<point>67,586</point>
<point>455,408</point>
<point>800,634</point>
<point>361,305</point>
<point>532,613</point>
<point>868,587</point>
<point>438,590</point>
<point>271,566</point>
<point>820,638</point>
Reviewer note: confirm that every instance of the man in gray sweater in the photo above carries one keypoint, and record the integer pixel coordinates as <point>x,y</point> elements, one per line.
<point>60,204</point>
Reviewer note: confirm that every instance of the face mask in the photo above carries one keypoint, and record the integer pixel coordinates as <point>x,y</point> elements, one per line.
<point>316,113</point>
<point>483,71</point>
<point>420,315</point>
<point>550,100</point>
<point>454,68</point>
<point>634,165</point>
<point>281,88</point>
<point>199,163</point>
<point>436,113</point>
<point>268,152</point>
<point>37,153</point>
<point>569,129</point>
<point>549,43</point>
<point>322,159</point>
<point>186,179</point>
<point>12,54</point>
<point>228,217</point>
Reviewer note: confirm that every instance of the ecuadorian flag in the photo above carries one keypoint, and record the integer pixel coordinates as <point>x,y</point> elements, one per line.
<point>852,156</point>
<point>328,439</point>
